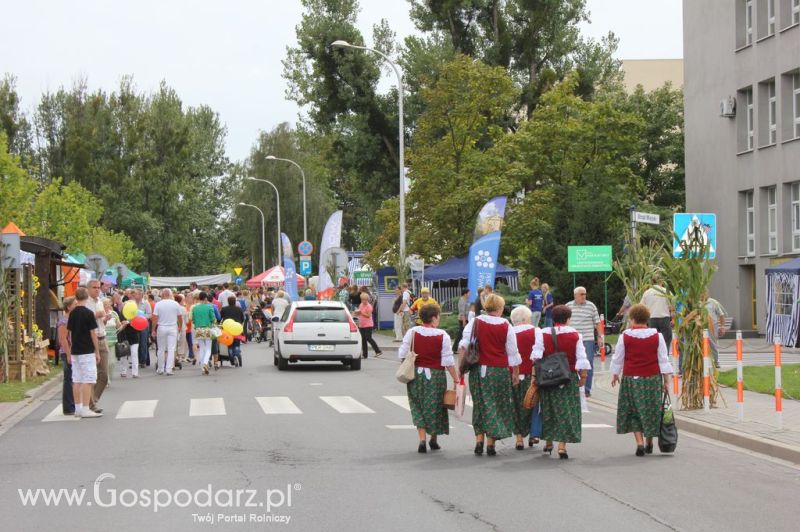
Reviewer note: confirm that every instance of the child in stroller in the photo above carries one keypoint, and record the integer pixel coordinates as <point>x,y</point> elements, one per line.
<point>260,319</point>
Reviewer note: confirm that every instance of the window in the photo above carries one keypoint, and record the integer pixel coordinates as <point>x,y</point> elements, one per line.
<point>772,112</point>
<point>770,17</point>
<point>795,11</point>
<point>772,220</point>
<point>795,210</point>
<point>748,22</point>
<point>750,223</point>
<point>749,102</point>
<point>784,296</point>
<point>796,102</point>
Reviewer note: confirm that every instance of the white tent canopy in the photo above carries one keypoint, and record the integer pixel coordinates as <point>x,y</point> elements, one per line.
<point>201,280</point>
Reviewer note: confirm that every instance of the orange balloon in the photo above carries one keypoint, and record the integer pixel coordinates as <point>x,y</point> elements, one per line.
<point>226,339</point>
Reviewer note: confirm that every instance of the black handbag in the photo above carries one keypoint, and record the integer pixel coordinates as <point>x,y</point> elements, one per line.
<point>553,370</point>
<point>668,435</point>
<point>122,349</point>
<point>472,356</point>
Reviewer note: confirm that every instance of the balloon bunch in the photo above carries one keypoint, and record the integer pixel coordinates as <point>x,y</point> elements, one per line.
<point>132,313</point>
<point>230,330</point>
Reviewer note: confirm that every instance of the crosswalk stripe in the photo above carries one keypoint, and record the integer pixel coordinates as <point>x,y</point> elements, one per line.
<point>137,409</point>
<point>278,405</point>
<point>212,406</point>
<point>596,426</point>
<point>399,400</point>
<point>344,404</point>
<point>400,427</point>
<point>57,415</point>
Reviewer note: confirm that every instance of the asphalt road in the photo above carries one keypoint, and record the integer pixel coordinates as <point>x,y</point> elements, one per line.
<point>328,470</point>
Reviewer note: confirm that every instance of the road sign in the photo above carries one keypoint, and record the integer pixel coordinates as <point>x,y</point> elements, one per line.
<point>646,218</point>
<point>689,225</point>
<point>305,266</point>
<point>589,259</point>
<point>305,248</point>
<point>363,278</point>
<point>238,280</point>
<point>237,270</point>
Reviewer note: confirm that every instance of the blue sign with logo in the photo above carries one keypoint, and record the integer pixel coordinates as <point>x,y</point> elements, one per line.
<point>694,229</point>
<point>305,267</point>
<point>238,280</point>
<point>483,254</point>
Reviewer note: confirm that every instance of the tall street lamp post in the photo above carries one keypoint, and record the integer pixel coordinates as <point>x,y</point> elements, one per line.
<point>305,223</point>
<point>400,90</point>
<point>278,198</point>
<point>263,248</point>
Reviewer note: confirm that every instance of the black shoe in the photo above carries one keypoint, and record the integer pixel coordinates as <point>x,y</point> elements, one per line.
<point>562,454</point>
<point>363,356</point>
<point>520,446</point>
<point>548,449</point>
<point>96,410</point>
<point>479,448</point>
<point>422,448</point>
<point>639,450</point>
<point>532,441</point>
<point>648,449</point>
<point>588,394</point>
<point>434,445</point>
<point>490,450</point>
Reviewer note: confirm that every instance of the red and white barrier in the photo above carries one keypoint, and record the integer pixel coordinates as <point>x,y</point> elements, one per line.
<point>739,376</point>
<point>778,384</point>
<point>676,370</point>
<point>603,340</point>
<point>706,373</point>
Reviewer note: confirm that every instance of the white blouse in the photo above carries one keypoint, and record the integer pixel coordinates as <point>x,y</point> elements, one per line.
<point>618,360</point>
<point>581,362</point>
<point>511,338</point>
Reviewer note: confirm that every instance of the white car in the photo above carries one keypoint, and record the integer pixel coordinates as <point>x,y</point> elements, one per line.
<point>317,331</point>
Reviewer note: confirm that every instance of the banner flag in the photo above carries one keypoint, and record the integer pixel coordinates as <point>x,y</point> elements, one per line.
<point>289,269</point>
<point>331,238</point>
<point>483,254</point>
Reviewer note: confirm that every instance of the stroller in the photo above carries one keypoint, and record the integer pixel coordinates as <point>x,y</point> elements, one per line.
<point>233,354</point>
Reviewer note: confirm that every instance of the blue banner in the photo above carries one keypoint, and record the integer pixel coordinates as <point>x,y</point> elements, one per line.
<point>483,254</point>
<point>289,270</point>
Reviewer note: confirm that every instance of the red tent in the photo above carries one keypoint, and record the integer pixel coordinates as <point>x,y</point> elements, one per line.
<point>275,276</point>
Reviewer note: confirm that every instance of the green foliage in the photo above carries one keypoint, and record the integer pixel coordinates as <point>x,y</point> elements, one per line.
<point>17,188</point>
<point>761,379</point>
<point>636,267</point>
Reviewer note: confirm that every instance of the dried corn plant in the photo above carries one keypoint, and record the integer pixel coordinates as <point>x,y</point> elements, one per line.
<point>636,268</point>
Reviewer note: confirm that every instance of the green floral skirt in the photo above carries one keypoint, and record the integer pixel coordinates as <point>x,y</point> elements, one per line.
<point>493,402</point>
<point>522,415</point>
<point>425,399</point>
<point>561,412</point>
<point>639,405</point>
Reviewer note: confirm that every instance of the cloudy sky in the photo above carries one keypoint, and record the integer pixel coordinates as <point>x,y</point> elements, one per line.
<point>228,54</point>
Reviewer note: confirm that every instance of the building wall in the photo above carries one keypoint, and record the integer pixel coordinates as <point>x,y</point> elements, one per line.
<point>720,167</point>
<point>652,74</point>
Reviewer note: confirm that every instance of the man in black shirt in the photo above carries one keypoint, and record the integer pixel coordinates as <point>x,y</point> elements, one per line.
<point>83,352</point>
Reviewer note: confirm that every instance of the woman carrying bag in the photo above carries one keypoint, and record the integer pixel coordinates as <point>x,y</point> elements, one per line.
<point>490,383</point>
<point>526,337</point>
<point>561,405</point>
<point>434,355</point>
<point>641,356</point>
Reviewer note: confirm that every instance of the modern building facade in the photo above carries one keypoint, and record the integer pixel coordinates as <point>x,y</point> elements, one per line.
<point>742,111</point>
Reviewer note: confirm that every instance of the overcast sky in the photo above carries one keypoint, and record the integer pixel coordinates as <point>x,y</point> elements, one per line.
<point>227,54</point>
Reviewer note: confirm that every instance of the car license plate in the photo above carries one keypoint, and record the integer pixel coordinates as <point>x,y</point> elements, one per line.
<point>321,347</point>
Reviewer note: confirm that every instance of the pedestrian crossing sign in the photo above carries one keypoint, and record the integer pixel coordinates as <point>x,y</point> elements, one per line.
<point>688,227</point>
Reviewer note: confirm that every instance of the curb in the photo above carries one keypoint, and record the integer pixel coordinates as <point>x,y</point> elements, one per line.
<point>33,398</point>
<point>753,443</point>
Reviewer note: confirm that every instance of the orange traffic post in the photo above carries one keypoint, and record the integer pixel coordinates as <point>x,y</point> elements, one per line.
<point>603,342</point>
<point>778,384</point>
<point>706,373</point>
<point>675,366</point>
<point>739,376</point>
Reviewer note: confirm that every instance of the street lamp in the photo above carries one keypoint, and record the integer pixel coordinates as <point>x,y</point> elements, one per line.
<point>263,248</point>
<point>278,198</point>
<point>305,225</point>
<point>345,44</point>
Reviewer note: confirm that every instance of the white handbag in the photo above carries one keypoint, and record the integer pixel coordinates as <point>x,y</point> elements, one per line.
<point>461,397</point>
<point>407,370</point>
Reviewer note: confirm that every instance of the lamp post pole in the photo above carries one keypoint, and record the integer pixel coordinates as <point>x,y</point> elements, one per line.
<point>303,174</point>
<point>278,198</point>
<point>401,155</point>
<point>263,229</point>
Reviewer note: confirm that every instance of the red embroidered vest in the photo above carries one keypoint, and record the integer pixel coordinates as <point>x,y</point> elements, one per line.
<point>567,342</point>
<point>525,341</point>
<point>492,343</point>
<point>641,356</point>
<point>429,351</point>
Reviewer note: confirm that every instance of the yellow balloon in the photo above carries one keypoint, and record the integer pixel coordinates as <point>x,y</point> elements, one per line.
<point>232,327</point>
<point>130,310</point>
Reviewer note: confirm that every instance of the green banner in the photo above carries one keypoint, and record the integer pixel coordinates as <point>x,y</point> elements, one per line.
<point>589,259</point>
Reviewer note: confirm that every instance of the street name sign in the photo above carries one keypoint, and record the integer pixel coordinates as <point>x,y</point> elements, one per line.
<point>646,218</point>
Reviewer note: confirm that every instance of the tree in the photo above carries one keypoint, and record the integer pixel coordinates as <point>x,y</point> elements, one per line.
<point>17,188</point>
<point>14,123</point>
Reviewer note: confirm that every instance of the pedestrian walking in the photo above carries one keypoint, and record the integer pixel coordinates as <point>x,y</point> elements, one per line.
<point>642,358</point>
<point>280,304</point>
<point>203,319</point>
<point>549,303</point>
<point>561,406</point>
<point>526,337</point>
<point>167,322</point>
<point>424,299</point>
<point>112,325</point>
<point>127,333</point>
<point>96,304</point>
<point>397,312</point>
<point>463,313</point>
<point>233,312</point>
<point>657,301</point>
<point>490,382</point>
<point>365,326</point>
<point>716,325</point>
<point>83,353</point>
<point>406,308</point>
<point>143,307</point>
<point>426,392</point>
<point>67,398</point>
<point>586,321</point>
<point>535,302</point>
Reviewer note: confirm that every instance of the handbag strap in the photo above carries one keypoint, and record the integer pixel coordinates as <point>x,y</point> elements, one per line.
<point>555,338</point>
<point>413,334</point>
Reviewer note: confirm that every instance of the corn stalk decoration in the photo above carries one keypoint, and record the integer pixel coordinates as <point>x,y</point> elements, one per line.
<point>637,267</point>
<point>687,280</point>
<point>5,324</point>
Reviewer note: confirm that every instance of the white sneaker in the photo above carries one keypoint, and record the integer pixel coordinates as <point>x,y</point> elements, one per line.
<point>159,372</point>
<point>89,413</point>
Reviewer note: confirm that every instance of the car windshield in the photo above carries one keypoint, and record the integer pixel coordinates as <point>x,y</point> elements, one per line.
<point>320,314</point>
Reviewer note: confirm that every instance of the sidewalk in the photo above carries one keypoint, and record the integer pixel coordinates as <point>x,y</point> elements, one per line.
<point>758,432</point>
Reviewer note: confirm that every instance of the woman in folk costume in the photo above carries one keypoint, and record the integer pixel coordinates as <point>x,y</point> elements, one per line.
<point>426,392</point>
<point>490,383</point>
<point>641,356</point>
<point>526,337</point>
<point>561,406</point>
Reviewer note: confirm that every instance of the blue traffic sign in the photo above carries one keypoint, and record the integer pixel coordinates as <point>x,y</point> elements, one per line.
<point>690,226</point>
<point>238,280</point>
<point>305,267</point>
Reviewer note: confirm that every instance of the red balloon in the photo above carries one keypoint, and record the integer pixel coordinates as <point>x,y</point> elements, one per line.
<point>139,323</point>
